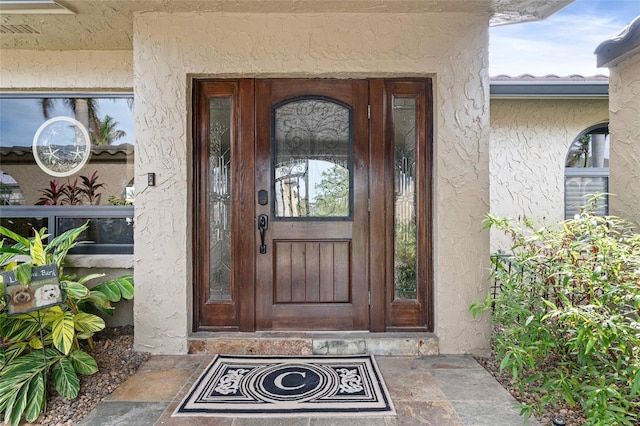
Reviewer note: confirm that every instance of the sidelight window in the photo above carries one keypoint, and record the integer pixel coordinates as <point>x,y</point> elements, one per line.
<point>219,191</point>
<point>405,241</point>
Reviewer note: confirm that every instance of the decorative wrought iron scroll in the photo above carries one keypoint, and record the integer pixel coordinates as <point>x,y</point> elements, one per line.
<point>312,151</point>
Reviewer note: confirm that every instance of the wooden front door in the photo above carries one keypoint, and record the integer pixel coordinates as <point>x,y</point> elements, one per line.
<point>311,179</point>
<point>311,204</point>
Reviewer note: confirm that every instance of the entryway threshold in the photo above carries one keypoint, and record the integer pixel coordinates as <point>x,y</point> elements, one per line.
<point>315,343</point>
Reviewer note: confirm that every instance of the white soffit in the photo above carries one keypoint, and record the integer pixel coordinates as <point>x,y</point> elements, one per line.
<point>32,7</point>
<point>515,11</point>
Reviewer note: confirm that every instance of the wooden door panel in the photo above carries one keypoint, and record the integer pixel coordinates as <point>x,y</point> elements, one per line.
<point>335,317</point>
<point>312,271</point>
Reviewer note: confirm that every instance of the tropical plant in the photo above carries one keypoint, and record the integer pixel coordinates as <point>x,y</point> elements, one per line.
<point>47,346</point>
<point>70,193</point>
<point>85,111</point>
<point>567,315</point>
<point>106,133</point>
<point>90,188</point>
<point>53,195</point>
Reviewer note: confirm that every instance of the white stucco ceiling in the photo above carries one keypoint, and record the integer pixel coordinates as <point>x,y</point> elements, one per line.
<point>108,24</point>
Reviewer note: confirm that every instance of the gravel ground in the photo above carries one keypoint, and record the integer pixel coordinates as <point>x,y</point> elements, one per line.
<point>572,416</point>
<point>116,362</point>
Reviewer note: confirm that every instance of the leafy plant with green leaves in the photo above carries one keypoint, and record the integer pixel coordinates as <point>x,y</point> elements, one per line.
<point>90,188</point>
<point>332,198</point>
<point>72,193</point>
<point>567,316</point>
<point>405,260</point>
<point>46,346</point>
<point>53,195</point>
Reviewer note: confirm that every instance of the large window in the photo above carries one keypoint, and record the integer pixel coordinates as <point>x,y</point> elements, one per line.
<point>66,159</point>
<point>587,171</point>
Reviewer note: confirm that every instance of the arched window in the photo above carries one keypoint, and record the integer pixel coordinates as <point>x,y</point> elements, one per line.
<point>10,193</point>
<point>587,171</point>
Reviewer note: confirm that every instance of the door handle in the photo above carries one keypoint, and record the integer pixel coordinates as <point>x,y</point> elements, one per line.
<point>263,225</point>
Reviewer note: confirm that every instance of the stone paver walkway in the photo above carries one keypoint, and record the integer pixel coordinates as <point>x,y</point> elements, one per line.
<point>434,390</point>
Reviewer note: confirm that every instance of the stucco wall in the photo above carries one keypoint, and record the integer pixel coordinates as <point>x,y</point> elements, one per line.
<point>170,47</point>
<point>60,70</point>
<point>624,128</point>
<point>529,143</point>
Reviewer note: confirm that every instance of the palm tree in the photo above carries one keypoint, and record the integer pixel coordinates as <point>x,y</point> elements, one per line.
<point>579,152</point>
<point>84,109</point>
<point>105,133</point>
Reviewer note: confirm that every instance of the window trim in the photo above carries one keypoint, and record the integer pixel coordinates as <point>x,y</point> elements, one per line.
<point>586,171</point>
<point>52,213</point>
<point>61,95</point>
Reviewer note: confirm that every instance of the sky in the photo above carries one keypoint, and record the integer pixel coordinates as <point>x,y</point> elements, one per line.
<point>20,118</point>
<point>563,44</point>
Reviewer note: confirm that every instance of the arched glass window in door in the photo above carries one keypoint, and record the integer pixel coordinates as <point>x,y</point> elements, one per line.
<point>587,171</point>
<point>312,159</point>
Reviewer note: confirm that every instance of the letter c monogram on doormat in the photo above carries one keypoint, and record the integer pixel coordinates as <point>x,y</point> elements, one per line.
<point>258,386</point>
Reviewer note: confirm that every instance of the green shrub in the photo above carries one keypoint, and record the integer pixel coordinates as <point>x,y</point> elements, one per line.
<point>42,347</point>
<point>567,315</point>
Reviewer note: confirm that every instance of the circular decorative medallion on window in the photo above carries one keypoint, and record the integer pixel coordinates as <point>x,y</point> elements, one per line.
<point>61,146</point>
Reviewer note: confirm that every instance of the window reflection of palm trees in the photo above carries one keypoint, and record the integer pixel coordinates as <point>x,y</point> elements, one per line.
<point>103,131</point>
<point>107,132</point>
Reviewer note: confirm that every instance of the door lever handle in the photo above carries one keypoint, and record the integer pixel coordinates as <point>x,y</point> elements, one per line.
<point>263,225</point>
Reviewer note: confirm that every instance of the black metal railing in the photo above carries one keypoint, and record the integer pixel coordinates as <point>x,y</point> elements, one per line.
<point>551,286</point>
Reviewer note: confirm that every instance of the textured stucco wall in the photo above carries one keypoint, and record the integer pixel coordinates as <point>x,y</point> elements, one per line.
<point>624,129</point>
<point>529,144</point>
<point>170,47</point>
<point>60,70</point>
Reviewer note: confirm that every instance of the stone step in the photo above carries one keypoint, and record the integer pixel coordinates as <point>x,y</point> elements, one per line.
<point>320,343</point>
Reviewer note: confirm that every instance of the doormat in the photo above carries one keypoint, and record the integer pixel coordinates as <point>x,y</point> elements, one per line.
<point>271,386</point>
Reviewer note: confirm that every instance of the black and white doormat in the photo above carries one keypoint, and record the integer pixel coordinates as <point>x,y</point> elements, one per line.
<point>247,386</point>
